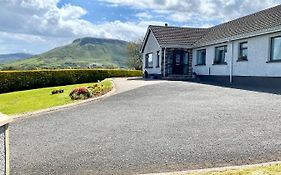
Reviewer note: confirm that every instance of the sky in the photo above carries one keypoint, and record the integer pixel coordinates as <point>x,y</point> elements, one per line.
<point>36,26</point>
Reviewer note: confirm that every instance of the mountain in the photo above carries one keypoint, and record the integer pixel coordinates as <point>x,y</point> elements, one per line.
<point>81,53</point>
<point>6,58</point>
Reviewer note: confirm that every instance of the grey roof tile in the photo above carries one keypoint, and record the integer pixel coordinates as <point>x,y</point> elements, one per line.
<point>262,20</point>
<point>177,35</point>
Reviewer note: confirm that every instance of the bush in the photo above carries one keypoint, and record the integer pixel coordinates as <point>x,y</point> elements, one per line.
<point>80,94</point>
<point>23,80</point>
<point>97,89</point>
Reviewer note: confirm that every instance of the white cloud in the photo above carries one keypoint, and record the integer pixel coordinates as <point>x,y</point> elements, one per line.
<point>42,17</point>
<point>72,12</point>
<point>17,42</point>
<point>38,43</point>
<point>144,15</point>
<point>50,21</point>
<point>40,4</point>
<point>39,25</point>
<point>207,7</point>
<point>33,23</point>
<point>185,10</point>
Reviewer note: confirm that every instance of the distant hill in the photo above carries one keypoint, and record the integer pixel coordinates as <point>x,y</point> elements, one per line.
<point>6,58</point>
<point>81,53</point>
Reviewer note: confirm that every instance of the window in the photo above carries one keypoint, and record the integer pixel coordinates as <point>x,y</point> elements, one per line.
<point>275,49</point>
<point>220,55</point>
<point>158,59</point>
<point>243,51</point>
<point>178,59</point>
<point>185,63</point>
<point>148,60</point>
<point>201,57</point>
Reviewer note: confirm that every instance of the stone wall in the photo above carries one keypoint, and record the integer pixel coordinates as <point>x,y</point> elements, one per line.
<point>2,151</point>
<point>4,144</point>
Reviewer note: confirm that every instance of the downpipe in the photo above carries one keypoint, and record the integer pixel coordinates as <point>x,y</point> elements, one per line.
<point>231,63</point>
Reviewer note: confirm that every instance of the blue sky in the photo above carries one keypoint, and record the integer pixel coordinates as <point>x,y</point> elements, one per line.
<point>36,26</point>
<point>99,12</point>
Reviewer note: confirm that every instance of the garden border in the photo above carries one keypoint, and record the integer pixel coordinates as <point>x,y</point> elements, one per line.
<point>217,169</point>
<point>56,108</point>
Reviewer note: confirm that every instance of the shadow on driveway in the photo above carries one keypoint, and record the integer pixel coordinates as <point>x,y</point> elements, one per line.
<point>271,90</point>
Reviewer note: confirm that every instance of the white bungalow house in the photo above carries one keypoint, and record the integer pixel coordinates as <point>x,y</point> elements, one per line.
<point>243,51</point>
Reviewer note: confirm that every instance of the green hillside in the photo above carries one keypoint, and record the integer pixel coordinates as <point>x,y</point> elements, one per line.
<point>81,53</point>
<point>6,58</point>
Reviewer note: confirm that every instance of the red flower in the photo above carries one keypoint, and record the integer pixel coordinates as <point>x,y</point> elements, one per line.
<point>80,90</point>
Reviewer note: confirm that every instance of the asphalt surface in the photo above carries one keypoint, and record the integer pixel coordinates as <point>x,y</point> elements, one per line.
<point>162,127</point>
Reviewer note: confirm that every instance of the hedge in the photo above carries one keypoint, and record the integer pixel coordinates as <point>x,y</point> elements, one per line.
<point>23,80</point>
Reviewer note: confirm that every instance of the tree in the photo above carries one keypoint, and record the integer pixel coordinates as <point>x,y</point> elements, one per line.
<point>134,56</point>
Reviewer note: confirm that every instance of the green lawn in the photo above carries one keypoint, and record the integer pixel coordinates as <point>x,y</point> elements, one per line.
<point>262,170</point>
<point>37,99</point>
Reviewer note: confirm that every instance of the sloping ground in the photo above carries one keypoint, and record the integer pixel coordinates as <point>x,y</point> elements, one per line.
<point>6,58</point>
<point>81,53</point>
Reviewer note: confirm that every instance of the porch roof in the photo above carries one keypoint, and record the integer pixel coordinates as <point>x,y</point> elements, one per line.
<point>177,36</point>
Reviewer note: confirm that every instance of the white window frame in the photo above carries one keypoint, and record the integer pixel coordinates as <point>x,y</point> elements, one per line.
<point>198,57</point>
<point>240,57</point>
<point>158,59</point>
<point>225,54</point>
<point>271,49</point>
<point>148,62</point>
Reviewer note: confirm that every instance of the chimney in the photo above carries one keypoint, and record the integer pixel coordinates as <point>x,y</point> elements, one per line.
<point>166,25</point>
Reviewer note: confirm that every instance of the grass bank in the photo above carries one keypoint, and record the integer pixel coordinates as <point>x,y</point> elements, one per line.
<point>274,169</point>
<point>38,99</point>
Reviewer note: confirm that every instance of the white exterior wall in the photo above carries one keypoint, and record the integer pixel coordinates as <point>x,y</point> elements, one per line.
<point>152,46</point>
<point>258,55</point>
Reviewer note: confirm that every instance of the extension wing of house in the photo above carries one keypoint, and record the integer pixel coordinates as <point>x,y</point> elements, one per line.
<point>246,50</point>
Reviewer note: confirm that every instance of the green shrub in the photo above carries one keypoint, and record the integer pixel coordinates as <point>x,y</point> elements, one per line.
<point>23,80</point>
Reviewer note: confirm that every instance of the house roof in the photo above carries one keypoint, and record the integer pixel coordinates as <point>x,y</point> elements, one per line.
<point>179,36</point>
<point>196,37</point>
<point>266,19</point>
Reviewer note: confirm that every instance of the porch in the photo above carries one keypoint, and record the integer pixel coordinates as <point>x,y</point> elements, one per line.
<point>176,63</point>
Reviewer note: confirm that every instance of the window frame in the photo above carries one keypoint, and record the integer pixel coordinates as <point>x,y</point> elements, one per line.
<point>225,52</point>
<point>240,50</point>
<point>198,55</point>
<point>271,50</point>
<point>158,59</point>
<point>147,65</point>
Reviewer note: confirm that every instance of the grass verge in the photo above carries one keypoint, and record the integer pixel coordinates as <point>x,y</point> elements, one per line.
<point>38,99</point>
<point>261,170</point>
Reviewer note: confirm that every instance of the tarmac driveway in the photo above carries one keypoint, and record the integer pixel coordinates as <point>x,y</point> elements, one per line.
<point>158,127</point>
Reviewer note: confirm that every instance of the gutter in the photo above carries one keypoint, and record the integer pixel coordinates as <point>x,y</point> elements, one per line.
<point>176,46</point>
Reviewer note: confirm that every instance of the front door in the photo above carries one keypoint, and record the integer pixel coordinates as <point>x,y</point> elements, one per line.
<point>178,62</point>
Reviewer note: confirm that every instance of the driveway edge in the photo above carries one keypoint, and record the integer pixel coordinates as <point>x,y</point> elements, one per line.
<point>219,169</point>
<point>56,108</point>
